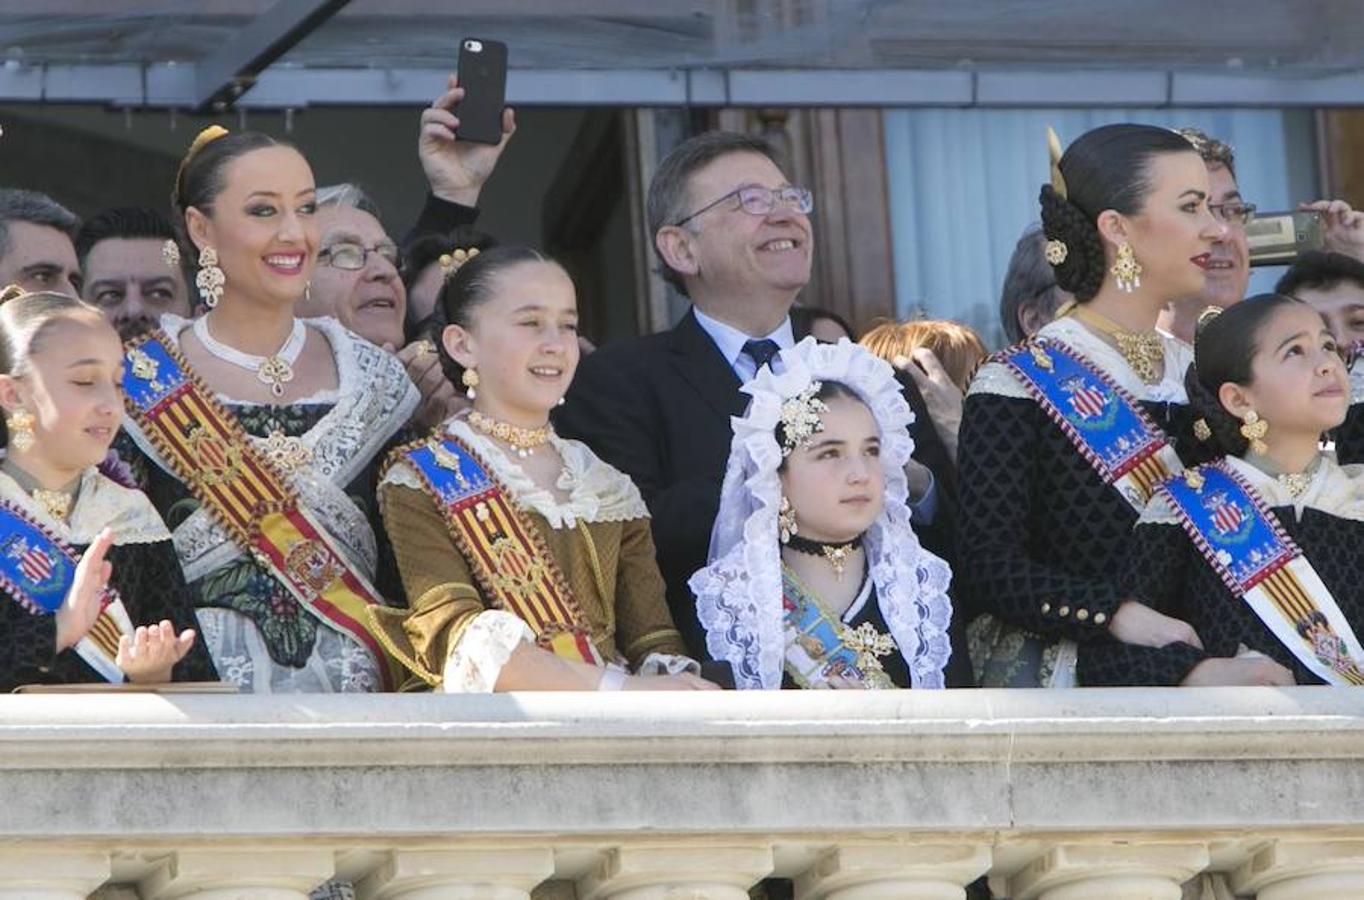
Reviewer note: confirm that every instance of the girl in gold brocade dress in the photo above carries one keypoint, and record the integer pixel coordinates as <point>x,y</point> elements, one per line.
<point>528,562</point>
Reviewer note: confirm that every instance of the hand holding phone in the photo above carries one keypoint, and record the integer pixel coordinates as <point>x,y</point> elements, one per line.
<point>456,169</point>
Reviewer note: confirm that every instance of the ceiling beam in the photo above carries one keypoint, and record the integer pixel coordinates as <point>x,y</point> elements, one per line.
<point>231,70</point>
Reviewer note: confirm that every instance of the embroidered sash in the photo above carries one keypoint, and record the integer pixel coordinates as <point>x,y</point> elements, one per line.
<point>1244,543</point>
<point>209,452</point>
<point>1104,423</point>
<point>508,557</point>
<point>37,570</point>
<point>820,647</point>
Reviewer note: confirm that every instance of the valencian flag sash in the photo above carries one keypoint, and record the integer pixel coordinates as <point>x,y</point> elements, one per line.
<point>1104,423</point>
<point>507,555</point>
<point>820,647</point>
<point>1244,543</point>
<point>208,450</point>
<point>37,571</point>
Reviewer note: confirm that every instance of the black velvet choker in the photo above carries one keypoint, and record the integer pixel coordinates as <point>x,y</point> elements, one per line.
<point>835,553</point>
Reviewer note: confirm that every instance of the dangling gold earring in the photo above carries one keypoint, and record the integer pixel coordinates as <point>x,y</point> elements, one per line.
<point>1254,430</point>
<point>470,381</point>
<point>20,425</point>
<point>786,521</point>
<point>210,279</point>
<point>1126,270</point>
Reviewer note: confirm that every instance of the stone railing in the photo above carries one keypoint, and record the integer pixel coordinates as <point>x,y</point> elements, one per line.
<point>1063,795</point>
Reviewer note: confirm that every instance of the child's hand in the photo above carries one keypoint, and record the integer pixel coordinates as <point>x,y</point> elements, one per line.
<point>147,655</point>
<point>82,605</point>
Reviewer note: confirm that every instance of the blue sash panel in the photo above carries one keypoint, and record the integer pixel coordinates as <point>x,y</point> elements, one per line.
<point>456,475</point>
<point>1230,526</point>
<point>35,568</point>
<point>1098,416</point>
<point>150,373</point>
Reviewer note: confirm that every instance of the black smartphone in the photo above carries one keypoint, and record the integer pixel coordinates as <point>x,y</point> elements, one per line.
<point>483,75</point>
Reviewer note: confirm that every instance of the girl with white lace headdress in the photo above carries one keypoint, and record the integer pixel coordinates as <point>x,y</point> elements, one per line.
<point>815,574</point>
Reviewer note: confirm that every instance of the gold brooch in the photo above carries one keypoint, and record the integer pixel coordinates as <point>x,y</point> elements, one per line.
<point>289,454</point>
<point>800,418</point>
<point>1194,479</point>
<point>1040,357</point>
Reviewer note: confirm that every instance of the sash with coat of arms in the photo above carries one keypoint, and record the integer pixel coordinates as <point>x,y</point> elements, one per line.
<point>209,452</point>
<point>1238,535</point>
<point>1104,423</point>
<point>37,571</point>
<point>820,647</point>
<point>508,557</point>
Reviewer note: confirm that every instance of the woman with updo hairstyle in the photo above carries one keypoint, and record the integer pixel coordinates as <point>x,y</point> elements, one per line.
<point>92,590</point>
<point>1261,550</point>
<point>1044,519</point>
<point>529,562</point>
<point>266,472</point>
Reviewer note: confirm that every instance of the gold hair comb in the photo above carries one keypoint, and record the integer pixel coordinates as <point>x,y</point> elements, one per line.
<point>451,262</point>
<point>1058,181</point>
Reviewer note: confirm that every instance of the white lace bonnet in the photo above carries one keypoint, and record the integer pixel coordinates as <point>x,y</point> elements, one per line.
<point>739,592</point>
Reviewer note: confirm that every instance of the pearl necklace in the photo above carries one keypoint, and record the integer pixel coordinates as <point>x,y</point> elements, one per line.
<point>274,371</point>
<point>522,440</point>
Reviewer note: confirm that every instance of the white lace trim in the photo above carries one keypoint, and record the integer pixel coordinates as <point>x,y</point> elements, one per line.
<point>376,399</point>
<point>597,491</point>
<point>100,503</point>
<point>995,378</point>
<point>338,663</point>
<point>476,660</point>
<point>739,593</point>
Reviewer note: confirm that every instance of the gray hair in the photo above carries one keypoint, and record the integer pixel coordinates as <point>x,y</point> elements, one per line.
<point>668,194</point>
<point>1029,281</point>
<point>18,205</point>
<point>347,194</point>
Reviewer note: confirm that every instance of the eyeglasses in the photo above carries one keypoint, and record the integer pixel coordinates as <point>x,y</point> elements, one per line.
<point>1233,213</point>
<point>350,255</point>
<point>759,201</point>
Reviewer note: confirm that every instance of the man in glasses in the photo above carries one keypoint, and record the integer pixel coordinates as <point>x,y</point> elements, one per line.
<point>1229,267</point>
<point>356,281</point>
<point>733,235</point>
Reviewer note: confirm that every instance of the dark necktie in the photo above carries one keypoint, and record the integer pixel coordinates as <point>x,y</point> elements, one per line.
<point>761,352</point>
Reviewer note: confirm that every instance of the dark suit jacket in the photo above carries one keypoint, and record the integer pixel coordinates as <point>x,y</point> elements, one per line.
<point>658,408</point>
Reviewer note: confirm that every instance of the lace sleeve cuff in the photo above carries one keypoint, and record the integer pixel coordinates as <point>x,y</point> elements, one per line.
<point>483,649</point>
<point>668,664</point>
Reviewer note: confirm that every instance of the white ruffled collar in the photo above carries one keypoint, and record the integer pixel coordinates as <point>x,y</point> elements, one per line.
<point>100,503</point>
<point>596,491</point>
<point>739,593</point>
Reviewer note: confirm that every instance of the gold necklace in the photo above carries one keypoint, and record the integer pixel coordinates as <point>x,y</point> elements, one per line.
<point>522,440</point>
<point>1143,350</point>
<point>56,504</point>
<point>1297,483</point>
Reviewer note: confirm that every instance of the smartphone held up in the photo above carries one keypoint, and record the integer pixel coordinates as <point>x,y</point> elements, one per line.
<point>483,75</point>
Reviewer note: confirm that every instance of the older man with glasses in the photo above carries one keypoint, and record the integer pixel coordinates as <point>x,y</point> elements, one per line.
<point>1229,266</point>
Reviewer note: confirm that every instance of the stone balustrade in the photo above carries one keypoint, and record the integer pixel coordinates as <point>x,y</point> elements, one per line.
<point>1061,795</point>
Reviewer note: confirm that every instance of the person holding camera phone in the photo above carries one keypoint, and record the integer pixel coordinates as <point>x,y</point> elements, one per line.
<point>1342,231</point>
